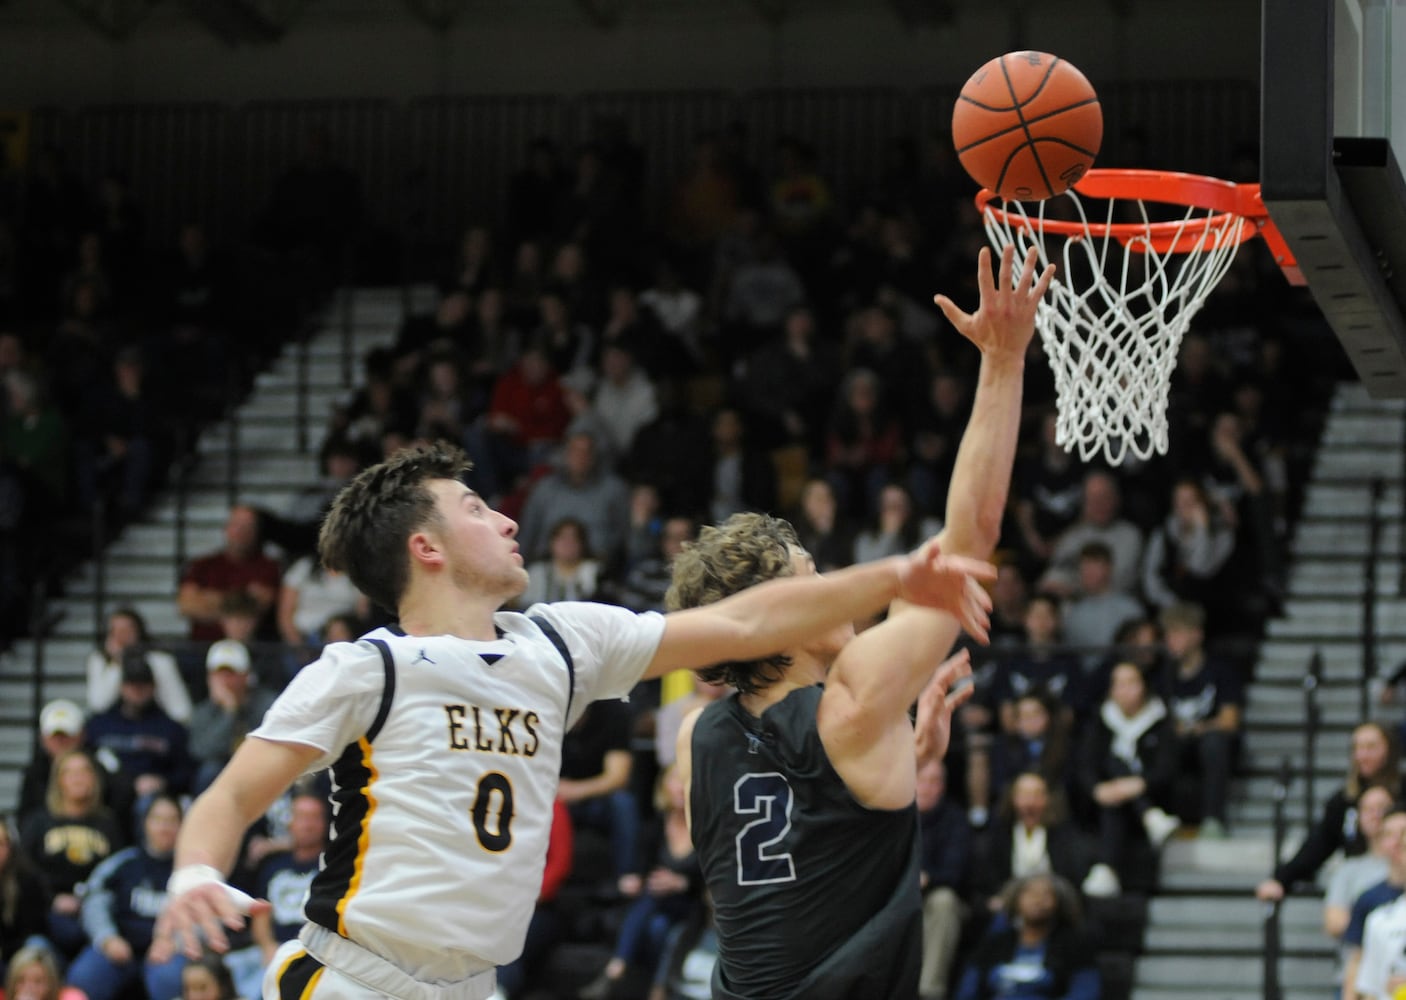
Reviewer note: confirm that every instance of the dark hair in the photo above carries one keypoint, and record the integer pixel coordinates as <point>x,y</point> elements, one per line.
<point>1068,913</point>
<point>744,550</point>
<point>135,617</point>
<point>1096,550</point>
<point>374,515</point>
<point>213,964</point>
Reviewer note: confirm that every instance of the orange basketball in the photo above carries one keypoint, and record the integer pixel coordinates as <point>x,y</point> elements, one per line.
<point>1027,125</point>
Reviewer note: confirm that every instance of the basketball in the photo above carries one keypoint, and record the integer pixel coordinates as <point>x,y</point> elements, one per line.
<point>1027,125</point>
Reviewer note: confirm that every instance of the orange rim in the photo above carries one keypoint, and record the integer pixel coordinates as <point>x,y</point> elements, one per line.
<point>1225,198</point>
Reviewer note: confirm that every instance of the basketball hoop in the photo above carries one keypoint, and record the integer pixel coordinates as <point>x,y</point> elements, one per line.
<point>1112,322</point>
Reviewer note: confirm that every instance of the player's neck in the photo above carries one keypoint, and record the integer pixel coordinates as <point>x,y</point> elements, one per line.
<point>444,611</point>
<point>805,671</point>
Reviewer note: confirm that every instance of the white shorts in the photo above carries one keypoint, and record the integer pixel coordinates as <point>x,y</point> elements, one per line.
<point>320,965</point>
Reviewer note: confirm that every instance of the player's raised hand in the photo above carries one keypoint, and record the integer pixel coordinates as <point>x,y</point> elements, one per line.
<point>202,913</point>
<point>932,730</point>
<point>1004,320</point>
<point>951,584</point>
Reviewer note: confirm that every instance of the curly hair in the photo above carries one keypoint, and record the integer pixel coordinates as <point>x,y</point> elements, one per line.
<point>744,550</point>
<point>374,515</point>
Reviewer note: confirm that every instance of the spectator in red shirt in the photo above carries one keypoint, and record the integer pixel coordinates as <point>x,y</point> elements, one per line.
<point>240,567</point>
<point>526,418</point>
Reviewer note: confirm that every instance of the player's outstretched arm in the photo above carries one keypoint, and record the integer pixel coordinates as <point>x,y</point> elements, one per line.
<point>199,901</point>
<point>863,716</point>
<point>772,616</point>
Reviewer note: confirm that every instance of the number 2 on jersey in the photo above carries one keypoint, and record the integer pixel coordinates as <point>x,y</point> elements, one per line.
<point>768,797</point>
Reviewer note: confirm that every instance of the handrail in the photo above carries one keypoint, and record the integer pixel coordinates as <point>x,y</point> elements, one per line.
<point>99,540</point>
<point>301,391</point>
<point>184,468</point>
<point>1401,540</point>
<point>1369,601</point>
<point>1313,717</point>
<point>232,439</point>
<point>41,626</point>
<point>345,301</point>
<point>1272,934</point>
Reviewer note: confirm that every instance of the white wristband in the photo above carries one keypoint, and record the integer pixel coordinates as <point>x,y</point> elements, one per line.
<point>190,877</point>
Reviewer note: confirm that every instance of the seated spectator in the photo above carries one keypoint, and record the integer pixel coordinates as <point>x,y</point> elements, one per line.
<point>442,411</point>
<point>1038,741</point>
<point>822,530</point>
<point>760,293</point>
<point>933,438</point>
<point>570,345</point>
<point>283,879</point>
<point>1048,490</point>
<point>895,528</point>
<point>240,617</point>
<point>126,629</point>
<point>624,398</point>
<point>1126,766</point>
<point>1186,552</point>
<point>1093,616</point>
<point>569,573</point>
<point>123,899</point>
<point>1375,760</point>
<point>739,476</point>
<point>377,409</point>
<point>1356,875</point>
<point>789,384</point>
<point>1010,599</point>
<point>647,581</point>
<point>1099,521</point>
<point>240,567</point>
<point>862,441</point>
<point>61,730</point>
<point>208,978</point>
<point>1042,666</point>
<point>545,925</point>
<point>1030,837</point>
<point>946,844</point>
<point>1206,699</point>
<point>526,418</point>
<point>582,489</point>
<point>36,438</point>
<point>295,530</point>
<point>595,779</point>
<point>150,749</point>
<point>664,883</point>
<point>34,975</point>
<point>1039,952</point>
<point>121,440</point>
<point>24,901</point>
<point>1378,898</point>
<point>67,838</point>
<point>309,595</point>
<point>235,708</point>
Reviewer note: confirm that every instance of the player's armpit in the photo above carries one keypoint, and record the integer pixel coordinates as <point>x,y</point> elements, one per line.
<point>683,748</point>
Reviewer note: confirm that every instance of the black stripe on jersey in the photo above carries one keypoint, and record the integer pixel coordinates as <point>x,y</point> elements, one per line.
<point>298,978</point>
<point>334,885</point>
<point>387,690</point>
<point>551,633</point>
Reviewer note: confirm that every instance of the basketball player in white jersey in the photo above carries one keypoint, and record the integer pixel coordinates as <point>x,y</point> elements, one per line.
<point>444,733</point>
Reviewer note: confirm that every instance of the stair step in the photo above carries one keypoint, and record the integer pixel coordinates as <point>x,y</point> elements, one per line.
<point>1240,972</point>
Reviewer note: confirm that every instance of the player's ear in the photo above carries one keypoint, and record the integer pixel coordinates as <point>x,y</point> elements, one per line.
<point>425,548</point>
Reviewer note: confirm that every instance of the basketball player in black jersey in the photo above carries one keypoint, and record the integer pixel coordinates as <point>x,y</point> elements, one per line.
<point>801,784</point>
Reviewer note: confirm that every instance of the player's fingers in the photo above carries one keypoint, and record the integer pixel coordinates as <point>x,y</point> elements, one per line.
<point>1027,269</point>
<point>955,315</point>
<point>1043,284</point>
<point>961,696</point>
<point>1007,267</point>
<point>983,273</point>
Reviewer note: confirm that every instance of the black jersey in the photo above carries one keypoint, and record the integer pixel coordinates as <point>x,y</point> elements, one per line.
<point>815,895</point>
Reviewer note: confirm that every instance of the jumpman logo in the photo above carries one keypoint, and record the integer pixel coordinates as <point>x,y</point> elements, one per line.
<point>421,657</point>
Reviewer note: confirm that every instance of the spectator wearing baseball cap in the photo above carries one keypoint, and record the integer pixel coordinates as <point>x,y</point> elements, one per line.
<point>126,629</point>
<point>60,730</point>
<point>137,740</point>
<point>235,707</point>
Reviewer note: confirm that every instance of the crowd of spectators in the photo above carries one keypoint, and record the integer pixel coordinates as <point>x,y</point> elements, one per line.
<point>621,373</point>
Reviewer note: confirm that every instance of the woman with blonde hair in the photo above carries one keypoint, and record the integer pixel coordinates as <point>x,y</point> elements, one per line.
<point>1375,760</point>
<point>34,975</point>
<point>67,838</point>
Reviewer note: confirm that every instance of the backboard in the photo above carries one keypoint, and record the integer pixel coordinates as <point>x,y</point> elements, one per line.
<point>1332,141</point>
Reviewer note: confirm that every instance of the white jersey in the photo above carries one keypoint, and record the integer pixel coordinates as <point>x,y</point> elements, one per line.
<point>445,755</point>
<point>1383,950</point>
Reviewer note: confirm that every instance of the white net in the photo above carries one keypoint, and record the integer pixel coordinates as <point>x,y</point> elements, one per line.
<point>1114,316</point>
